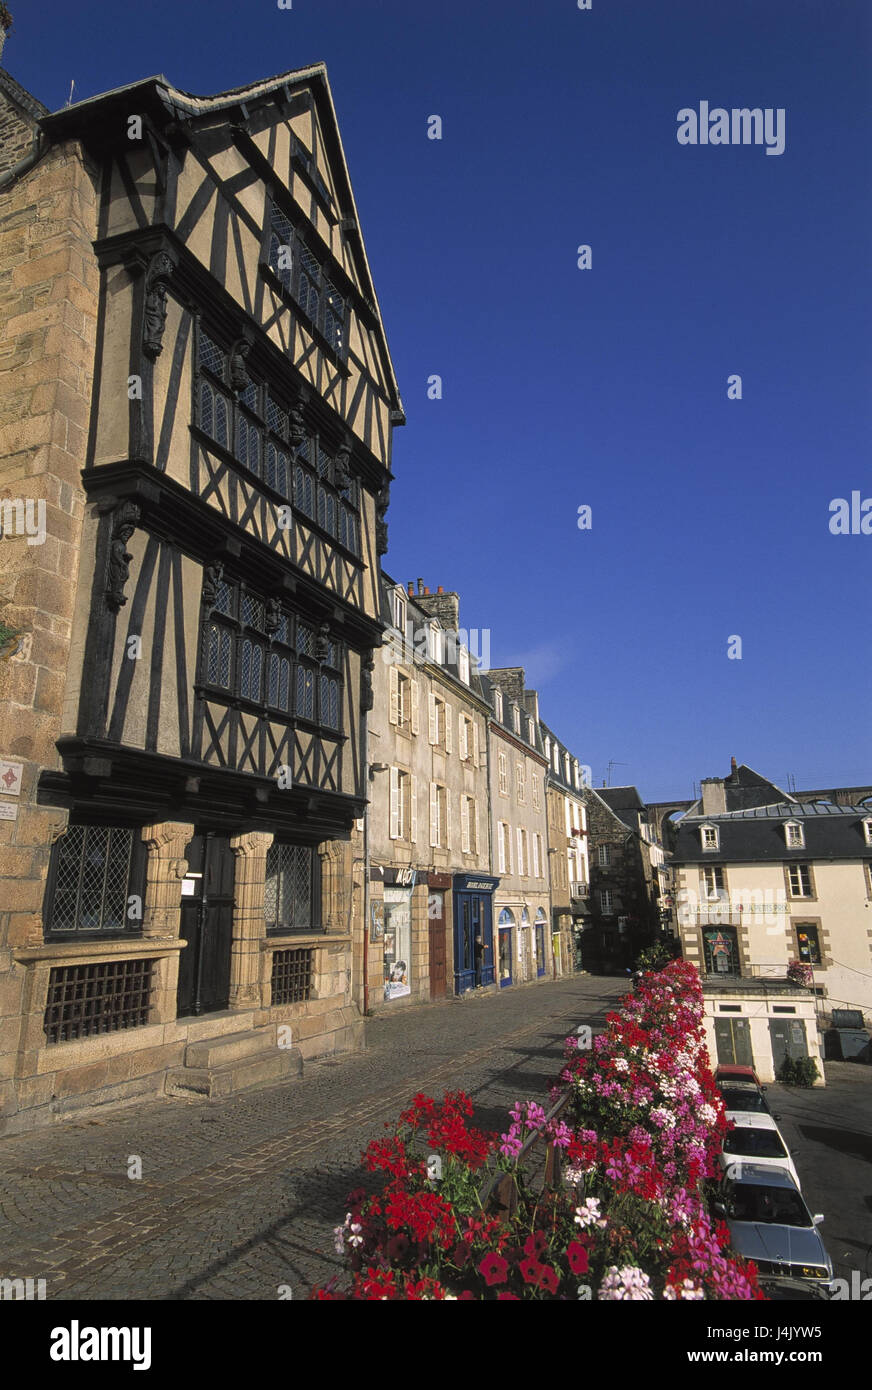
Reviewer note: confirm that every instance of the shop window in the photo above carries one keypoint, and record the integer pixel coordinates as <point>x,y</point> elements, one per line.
<point>397,941</point>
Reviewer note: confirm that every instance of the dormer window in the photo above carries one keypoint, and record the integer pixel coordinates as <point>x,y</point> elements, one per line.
<point>399,611</point>
<point>867,831</point>
<point>566,765</point>
<point>436,643</point>
<point>498,705</point>
<point>531,731</point>
<point>516,719</point>
<point>793,835</point>
<point>710,836</point>
<point>463,665</point>
<point>548,749</point>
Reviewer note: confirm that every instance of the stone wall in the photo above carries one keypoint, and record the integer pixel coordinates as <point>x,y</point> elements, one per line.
<point>48,304</point>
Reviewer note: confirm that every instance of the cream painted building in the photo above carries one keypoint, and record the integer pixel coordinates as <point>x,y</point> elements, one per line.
<point>568,861</point>
<point>768,885</point>
<point>427,824</point>
<point>519,832</point>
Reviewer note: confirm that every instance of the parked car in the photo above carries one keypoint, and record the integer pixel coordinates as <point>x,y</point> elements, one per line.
<point>740,1097</point>
<point>757,1139</point>
<point>847,1040</point>
<point>770,1224</point>
<point>728,1072</point>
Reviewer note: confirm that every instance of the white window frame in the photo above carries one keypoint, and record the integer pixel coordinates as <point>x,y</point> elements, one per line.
<point>534,783</point>
<point>504,847</point>
<point>798,870</point>
<point>867,831</point>
<point>604,856</point>
<point>794,834</point>
<point>498,705</point>
<point>463,665</point>
<point>522,850</point>
<point>606,905</point>
<point>712,890</point>
<point>710,838</point>
<point>516,719</point>
<point>503,773</point>
<point>535,865</point>
<point>521,782</point>
<point>399,611</point>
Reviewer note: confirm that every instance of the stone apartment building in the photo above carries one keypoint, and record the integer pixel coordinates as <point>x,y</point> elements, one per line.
<point>569,867</point>
<point>764,883</point>
<point>627,879</point>
<point>519,831</point>
<point>196,409</point>
<point>430,889</point>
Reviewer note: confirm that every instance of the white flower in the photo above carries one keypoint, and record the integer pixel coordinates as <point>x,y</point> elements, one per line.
<point>663,1117</point>
<point>588,1214</point>
<point>355,1238</point>
<point>573,1176</point>
<point>339,1239</point>
<point>707,1114</point>
<point>628,1283</point>
<point>687,1289</point>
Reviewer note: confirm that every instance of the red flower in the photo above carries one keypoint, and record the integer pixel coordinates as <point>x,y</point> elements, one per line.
<point>504,1297</point>
<point>549,1279</point>
<point>577,1257</point>
<point>536,1244</point>
<point>530,1270</point>
<point>494,1268</point>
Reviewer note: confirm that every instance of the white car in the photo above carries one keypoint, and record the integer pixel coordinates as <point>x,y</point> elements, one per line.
<point>756,1139</point>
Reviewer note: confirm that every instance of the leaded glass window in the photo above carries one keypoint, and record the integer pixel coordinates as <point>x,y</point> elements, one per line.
<point>305,692</point>
<point>289,895</point>
<point>93,882</point>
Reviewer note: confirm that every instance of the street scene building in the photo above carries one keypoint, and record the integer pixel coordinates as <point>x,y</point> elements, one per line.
<point>197,389</point>
<point>430,890</point>
<point>773,903</point>
<point>568,861</point>
<point>519,830</point>
<point>628,879</point>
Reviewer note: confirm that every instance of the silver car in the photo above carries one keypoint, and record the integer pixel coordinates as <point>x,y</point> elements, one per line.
<point>770,1224</point>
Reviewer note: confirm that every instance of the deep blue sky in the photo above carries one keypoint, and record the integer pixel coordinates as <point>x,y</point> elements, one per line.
<point>608,386</point>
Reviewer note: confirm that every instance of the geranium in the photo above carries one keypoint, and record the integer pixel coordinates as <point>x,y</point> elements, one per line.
<point>629,1282</point>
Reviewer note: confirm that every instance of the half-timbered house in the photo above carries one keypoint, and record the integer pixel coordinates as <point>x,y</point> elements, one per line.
<point>201,770</point>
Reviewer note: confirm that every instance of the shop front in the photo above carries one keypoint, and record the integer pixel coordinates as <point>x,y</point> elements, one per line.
<point>474,963</point>
<point>506,925</point>
<point>392,936</point>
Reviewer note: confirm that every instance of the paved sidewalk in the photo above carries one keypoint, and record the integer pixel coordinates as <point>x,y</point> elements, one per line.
<point>240,1197</point>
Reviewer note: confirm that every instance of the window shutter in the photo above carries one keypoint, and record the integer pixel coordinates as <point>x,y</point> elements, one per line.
<point>501,849</point>
<point>449,732</point>
<point>475,748</point>
<point>394,715</point>
<point>520,850</point>
<point>464,824</point>
<point>463,737</point>
<point>476,842</point>
<point>432,709</point>
<point>447,796</point>
<point>434,814</point>
<point>413,808</point>
<point>395,804</point>
<point>414,707</point>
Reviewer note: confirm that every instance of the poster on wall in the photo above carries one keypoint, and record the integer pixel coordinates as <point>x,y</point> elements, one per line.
<point>377,922</point>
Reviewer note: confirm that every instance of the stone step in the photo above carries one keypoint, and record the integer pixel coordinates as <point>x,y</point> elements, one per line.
<point>277,1064</point>
<point>230,1047</point>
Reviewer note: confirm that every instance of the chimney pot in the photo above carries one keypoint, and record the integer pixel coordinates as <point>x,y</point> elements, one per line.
<point>440,590</point>
<point>411,590</point>
<point>733,767</point>
<point>426,590</point>
<point>421,589</point>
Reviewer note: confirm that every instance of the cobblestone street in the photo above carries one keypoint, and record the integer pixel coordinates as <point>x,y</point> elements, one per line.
<point>239,1197</point>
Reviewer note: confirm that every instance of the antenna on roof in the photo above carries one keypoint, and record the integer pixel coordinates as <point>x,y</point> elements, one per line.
<point>70,97</point>
<point>612,763</point>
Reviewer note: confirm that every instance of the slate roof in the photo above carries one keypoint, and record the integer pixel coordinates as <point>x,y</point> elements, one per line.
<point>756,834</point>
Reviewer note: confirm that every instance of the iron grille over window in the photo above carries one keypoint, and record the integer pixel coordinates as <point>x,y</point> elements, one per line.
<point>289,900</point>
<point>269,656</point>
<point>85,1000</point>
<point>93,881</point>
<point>291,976</point>
<point>302,275</point>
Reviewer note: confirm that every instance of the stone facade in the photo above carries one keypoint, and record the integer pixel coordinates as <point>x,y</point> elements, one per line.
<point>567,851</point>
<point>624,883</point>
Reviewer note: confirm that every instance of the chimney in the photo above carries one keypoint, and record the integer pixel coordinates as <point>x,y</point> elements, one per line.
<point>411,589</point>
<point>420,586</point>
<point>733,768</point>
<point>440,590</point>
<point>510,680</point>
<point>445,607</point>
<point>426,591</point>
<point>714,798</point>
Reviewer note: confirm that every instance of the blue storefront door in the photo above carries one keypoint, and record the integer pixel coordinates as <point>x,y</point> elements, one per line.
<point>473,933</point>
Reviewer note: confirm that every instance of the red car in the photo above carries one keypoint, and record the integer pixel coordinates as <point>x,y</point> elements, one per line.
<point>732,1072</point>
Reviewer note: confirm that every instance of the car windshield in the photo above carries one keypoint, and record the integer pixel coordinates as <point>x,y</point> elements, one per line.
<point>738,1098</point>
<point>754,1143</point>
<point>772,1205</point>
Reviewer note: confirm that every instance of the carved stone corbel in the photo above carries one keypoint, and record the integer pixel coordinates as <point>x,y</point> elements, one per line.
<point>381,526</point>
<point>212,577</point>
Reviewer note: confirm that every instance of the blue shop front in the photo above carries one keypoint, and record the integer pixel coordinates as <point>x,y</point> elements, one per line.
<point>473,931</point>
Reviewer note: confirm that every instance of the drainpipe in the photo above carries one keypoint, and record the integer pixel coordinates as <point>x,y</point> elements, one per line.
<point>23,165</point>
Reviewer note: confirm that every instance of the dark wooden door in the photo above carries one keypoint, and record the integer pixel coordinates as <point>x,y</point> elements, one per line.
<point>207,926</point>
<point>733,1041</point>
<point>438,973</point>
<point>788,1040</point>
